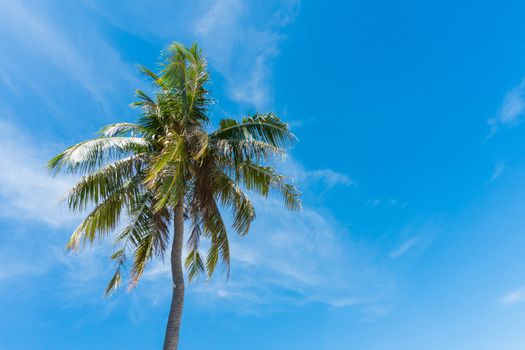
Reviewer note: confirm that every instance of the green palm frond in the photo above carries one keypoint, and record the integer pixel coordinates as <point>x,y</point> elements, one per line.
<point>262,179</point>
<point>237,151</point>
<point>121,129</point>
<point>168,172</point>
<point>232,195</point>
<point>97,186</point>
<point>193,262</point>
<point>147,234</point>
<point>153,240</point>
<point>116,281</point>
<point>260,127</point>
<point>88,156</point>
<point>101,221</point>
<point>145,102</point>
<point>214,228</point>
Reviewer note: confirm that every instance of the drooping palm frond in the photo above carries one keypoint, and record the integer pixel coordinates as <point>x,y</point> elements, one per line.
<point>261,127</point>
<point>230,194</point>
<point>193,262</point>
<point>97,186</point>
<point>215,229</point>
<point>145,236</point>
<point>88,156</point>
<point>116,281</point>
<point>168,172</point>
<point>105,217</point>
<point>153,241</point>
<point>262,179</point>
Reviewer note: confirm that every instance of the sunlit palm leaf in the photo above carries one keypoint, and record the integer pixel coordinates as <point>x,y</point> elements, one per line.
<point>89,155</point>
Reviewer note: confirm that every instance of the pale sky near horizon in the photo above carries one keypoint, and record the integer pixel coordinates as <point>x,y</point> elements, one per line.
<point>411,158</point>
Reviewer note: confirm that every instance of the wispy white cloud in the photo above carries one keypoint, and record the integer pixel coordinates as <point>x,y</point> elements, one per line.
<point>34,39</point>
<point>498,170</point>
<point>305,177</point>
<point>330,177</point>
<point>511,110</point>
<point>241,38</point>
<point>12,270</point>
<point>389,202</point>
<point>516,296</point>
<point>513,106</point>
<point>417,235</point>
<point>403,248</point>
<point>26,190</point>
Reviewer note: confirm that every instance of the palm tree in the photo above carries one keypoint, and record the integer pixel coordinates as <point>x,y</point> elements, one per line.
<point>139,178</point>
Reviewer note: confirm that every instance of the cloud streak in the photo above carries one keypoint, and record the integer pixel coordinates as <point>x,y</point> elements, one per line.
<point>330,177</point>
<point>241,38</point>
<point>26,190</point>
<point>34,38</point>
<point>498,170</point>
<point>513,297</point>
<point>403,248</point>
<point>511,111</point>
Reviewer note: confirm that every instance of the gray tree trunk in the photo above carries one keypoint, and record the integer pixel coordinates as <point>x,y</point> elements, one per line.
<point>171,340</point>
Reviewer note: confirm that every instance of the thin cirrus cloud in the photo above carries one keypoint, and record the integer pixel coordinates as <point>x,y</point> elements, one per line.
<point>513,297</point>
<point>27,191</point>
<point>513,106</point>
<point>417,235</point>
<point>241,38</point>
<point>403,248</point>
<point>511,111</point>
<point>34,38</point>
<point>498,170</point>
<point>330,177</point>
<point>305,177</point>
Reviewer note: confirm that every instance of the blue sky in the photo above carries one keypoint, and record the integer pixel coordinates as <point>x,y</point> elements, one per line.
<point>411,159</point>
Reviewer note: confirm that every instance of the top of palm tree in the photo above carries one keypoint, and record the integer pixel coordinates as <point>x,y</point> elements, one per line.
<point>135,174</point>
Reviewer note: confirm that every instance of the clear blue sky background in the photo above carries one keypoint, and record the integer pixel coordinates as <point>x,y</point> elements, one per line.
<point>411,159</point>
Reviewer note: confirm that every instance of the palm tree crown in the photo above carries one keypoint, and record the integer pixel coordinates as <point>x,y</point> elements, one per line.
<point>135,176</point>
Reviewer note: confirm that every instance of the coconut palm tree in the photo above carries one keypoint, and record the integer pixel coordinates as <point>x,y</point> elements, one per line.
<point>168,168</point>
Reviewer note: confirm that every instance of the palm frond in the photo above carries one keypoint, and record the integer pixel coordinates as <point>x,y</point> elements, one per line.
<point>116,281</point>
<point>214,228</point>
<point>96,187</point>
<point>194,264</point>
<point>262,179</point>
<point>236,151</point>
<point>168,172</point>
<point>88,156</point>
<point>261,127</point>
<point>105,217</point>
<point>147,234</point>
<point>232,195</point>
<point>121,129</point>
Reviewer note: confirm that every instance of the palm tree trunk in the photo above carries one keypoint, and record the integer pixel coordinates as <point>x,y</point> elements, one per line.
<point>171,340</point>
